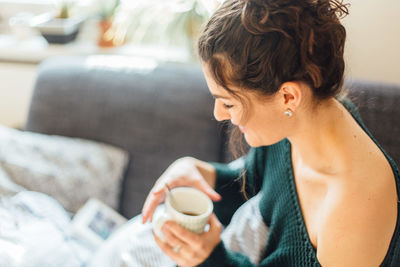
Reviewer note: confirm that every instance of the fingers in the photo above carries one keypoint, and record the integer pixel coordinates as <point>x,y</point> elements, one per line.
<point>184,249</point>
<point>186,236</point>
<point>207,189</point>
<point>152,201</point>
<point>177,256</point>
<point>202,185</point>
<point>167,249</point>
<point>158,194</point>
<point>215,224</point>
<point>171,239</point>
<point>197,181</point>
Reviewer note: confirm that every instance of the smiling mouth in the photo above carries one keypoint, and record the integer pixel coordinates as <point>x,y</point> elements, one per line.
<point>242,129</point>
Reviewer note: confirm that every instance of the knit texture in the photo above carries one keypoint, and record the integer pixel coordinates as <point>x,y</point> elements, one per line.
<point>269,170</point>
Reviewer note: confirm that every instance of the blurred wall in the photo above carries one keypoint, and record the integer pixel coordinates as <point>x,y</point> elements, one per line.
<point>373,40</point>
<point>16,84</point>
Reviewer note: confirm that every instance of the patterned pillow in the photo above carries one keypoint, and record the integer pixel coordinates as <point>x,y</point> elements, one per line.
<point>69,169</point>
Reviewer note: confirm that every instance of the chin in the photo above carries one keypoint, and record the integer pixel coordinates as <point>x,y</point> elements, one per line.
<point>251,142</point>
<point>256,142</point>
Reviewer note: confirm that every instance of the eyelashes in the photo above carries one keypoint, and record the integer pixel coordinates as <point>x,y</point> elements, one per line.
<point>223,104</point>
<point>228,106</point>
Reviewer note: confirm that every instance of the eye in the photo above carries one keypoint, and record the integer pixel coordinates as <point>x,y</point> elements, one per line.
<point>228,106</point>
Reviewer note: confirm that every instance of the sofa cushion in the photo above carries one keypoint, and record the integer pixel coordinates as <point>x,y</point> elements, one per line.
<point>69,169</point>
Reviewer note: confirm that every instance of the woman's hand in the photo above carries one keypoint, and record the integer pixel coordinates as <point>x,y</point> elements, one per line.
<point>186,248</point>
<point>183,172</point>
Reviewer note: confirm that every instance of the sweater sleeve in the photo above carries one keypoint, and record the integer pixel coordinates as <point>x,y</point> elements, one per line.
<point>221,256</point>
<point>224,257</point>
<point>229,183</point>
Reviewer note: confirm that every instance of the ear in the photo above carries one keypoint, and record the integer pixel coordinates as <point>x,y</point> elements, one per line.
<point>291,95</point>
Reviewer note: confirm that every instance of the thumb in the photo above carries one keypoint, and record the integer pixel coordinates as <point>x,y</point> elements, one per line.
<point>215,224</point>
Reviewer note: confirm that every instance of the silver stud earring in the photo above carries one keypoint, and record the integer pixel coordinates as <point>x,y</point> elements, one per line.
<point>289,113</point>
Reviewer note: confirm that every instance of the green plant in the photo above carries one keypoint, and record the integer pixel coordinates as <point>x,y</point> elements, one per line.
<point>64,9</point>
<point>108,8</point>
<point>172,22</point>
<point>187,19</point>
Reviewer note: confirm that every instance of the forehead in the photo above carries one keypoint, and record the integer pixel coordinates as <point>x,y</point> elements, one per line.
<point>244,96</point>
<point>217,90</point>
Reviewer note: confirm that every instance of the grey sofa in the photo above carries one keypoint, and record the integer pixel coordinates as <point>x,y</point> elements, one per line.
<point>160,112</point>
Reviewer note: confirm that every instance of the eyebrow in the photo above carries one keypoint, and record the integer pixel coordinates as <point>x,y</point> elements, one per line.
<point>219,96</point>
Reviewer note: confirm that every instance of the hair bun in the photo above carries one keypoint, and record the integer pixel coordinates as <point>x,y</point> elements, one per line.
<point>263,16</point>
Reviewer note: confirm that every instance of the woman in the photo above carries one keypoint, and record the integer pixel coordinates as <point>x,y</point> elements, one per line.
<point>325,192</point>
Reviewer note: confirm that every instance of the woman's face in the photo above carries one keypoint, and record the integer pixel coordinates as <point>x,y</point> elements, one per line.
<point>263,121</point>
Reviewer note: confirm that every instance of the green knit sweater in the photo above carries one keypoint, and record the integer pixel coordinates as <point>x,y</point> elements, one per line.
<point>270,172</point>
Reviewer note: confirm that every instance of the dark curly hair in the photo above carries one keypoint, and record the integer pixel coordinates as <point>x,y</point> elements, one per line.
<point>258,45</point>
<point>269,42</point>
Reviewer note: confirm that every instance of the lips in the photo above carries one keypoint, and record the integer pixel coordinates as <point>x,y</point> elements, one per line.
<point>242,129</point>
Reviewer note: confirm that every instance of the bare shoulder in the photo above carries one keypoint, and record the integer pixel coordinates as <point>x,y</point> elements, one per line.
<point>359,218</point>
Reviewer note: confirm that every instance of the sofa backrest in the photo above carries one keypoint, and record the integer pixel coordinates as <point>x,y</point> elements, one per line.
<point>379,107</point>
<point>158,113</point>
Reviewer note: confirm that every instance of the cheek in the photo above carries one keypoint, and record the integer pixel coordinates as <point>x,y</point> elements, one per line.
<point>236,116</point>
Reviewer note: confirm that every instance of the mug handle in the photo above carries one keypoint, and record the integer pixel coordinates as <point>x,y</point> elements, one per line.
<point>158,223</point>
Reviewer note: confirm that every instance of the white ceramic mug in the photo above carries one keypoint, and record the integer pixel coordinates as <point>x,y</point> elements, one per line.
<point>188,206</point>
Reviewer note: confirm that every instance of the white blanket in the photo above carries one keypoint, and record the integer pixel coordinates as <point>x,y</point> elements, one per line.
<point>35,231</point>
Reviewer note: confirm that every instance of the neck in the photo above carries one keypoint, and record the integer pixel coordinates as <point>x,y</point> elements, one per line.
<point>319,138</point>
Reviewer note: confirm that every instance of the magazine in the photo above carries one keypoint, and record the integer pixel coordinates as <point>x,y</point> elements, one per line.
<point>95,222</point>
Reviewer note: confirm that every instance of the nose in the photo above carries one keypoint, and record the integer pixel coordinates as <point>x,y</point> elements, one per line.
<point>221,113</point>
